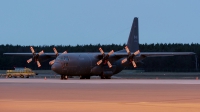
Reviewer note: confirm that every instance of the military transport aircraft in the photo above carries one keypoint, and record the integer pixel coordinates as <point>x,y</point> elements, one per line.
<point>100,63</point>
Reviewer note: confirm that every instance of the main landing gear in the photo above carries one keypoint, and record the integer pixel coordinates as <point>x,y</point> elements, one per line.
<point>84,77</point>
<point>105,77</point>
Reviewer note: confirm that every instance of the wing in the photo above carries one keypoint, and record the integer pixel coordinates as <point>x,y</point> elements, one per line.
<point>159,54</point>
<point>153,54</point>
<point>28,54</point>
<point>36,57</point>
<point>135,57</point>
<point>115,54</point>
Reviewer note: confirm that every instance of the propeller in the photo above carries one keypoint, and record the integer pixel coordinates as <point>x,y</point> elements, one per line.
<point>56,52</point>
<point>131,56</point>
<point>35,56</point>
<point>105,58</point>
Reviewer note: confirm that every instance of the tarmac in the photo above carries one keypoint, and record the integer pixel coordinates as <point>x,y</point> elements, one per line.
<point>96,95</point>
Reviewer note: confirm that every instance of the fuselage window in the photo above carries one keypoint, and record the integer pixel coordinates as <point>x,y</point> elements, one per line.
<point>60,58</point>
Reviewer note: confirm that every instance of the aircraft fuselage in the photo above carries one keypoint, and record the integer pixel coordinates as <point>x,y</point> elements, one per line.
<point>84,64</point>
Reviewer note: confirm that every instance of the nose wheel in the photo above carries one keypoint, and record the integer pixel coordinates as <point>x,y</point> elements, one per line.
<point>64,77</point>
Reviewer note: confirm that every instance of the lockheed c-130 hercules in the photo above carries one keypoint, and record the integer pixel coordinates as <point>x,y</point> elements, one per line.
<point>100,63</point>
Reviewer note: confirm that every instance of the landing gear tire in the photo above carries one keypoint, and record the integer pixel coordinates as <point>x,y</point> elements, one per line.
<point>85,77</point>
<point>21,76</point>
<point>64,77</point>
<point>61,77</point>
<point>9,76</point>
<point>102,77</point>
<point>105,77</point>
<point>81,77</point>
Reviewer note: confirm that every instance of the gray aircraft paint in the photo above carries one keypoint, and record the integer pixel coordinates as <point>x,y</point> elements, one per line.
<point>79,64</point>
<point>133,40</point>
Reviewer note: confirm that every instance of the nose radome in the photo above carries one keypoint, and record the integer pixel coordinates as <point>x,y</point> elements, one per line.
<point>56,67</point>
<point>53,67</point>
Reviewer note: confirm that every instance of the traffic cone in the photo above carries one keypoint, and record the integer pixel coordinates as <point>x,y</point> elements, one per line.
<point>197,78</point>
<point>45,78</point>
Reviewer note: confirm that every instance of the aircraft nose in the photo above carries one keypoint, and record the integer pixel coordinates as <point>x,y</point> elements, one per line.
<point>56,67</point>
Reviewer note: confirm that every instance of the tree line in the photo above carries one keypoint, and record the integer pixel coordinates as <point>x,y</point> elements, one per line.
<point>169,64</point>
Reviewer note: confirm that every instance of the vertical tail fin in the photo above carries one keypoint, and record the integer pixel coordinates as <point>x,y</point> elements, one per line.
<point>133,40</point>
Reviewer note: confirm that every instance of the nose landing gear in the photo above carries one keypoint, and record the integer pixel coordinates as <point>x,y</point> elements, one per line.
<point>64,77</point>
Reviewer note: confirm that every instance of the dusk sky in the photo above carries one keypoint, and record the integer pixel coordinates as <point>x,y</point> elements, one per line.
<point>72,22</point>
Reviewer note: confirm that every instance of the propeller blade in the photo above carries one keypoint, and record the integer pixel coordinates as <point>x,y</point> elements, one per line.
<point>99,62</point>
<point>32,50</point>
<point>55,51</point>
<point>35,56</point>
<point>127,49</point>
<point>101,50</point>
<point>111,52</point>
<point>109,64</point>
<point>38,63</point>
<point>134,64</point>
<point>137,52</point>
<point>29,60</point>
<point>105,57</point>
<point>131,56</point>
<point>51,62</point>
<point>124,60</point>
<point>41,52</point>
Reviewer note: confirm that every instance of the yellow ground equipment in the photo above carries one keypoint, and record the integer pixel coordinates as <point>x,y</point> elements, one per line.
<point>20,72</point>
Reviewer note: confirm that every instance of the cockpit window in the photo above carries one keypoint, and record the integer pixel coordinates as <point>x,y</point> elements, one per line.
<point>58,58</point>
<point>64,58</point>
